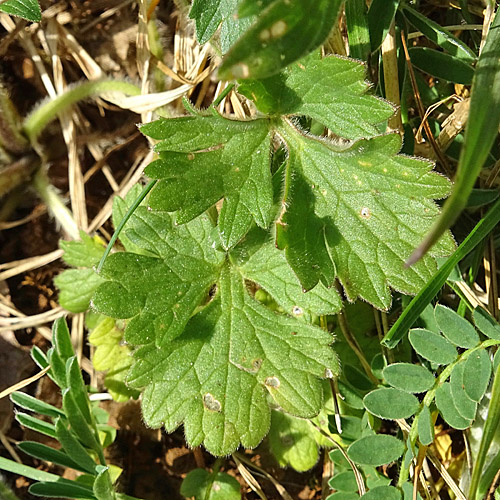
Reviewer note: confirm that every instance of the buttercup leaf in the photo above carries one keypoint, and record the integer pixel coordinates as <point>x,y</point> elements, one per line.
<point>159,291</point>
<point>204,159</point>
<point>323,89</point>
<point>215,376</point>
<point>331,190</point>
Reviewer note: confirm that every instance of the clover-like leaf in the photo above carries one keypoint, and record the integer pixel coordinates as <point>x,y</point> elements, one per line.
<point>159,291</point>
<point>351,212</point>
<point>204,159</point>
<point>216,376</point>
<point>331,90</point>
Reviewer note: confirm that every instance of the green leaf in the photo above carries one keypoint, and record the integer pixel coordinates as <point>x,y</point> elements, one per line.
<point>439,35</point>
<point>343,495</point>
<point>331,190</point>
<point>103,488</point>
<point>382,493</point>
<point>61,339</point>
<point>406,320</point>
<point>112,356</point>
<point>260,261</point>
<point>409,377</point>
<point>380,17</point>
<point>76,286</point>
<point>36,424</point>
<point>357,29</point>
<point>159,293</point>
<point>73,447</point>
<point>204,159</point>
<point>285,32</point>
<point>377,449</point>
<point>477,374</point>
<point>465,405</point>
<point>27,9</point>
<point>292,442</point>
<point>330,90</point>
<point>61,490</point>
<point>486,323</point>
<point>344,481</point>
<point>44,452</point>
<point>389,403</point>
<point>209,14</point>
<point>222,486</point>
<point>448,409</point>
<point>441,65</point>
<point>455,328</point>
<point>425,426</point>
<point>84,253</point>
<point>36,405</point>
<point>215,376</point>
<point>432,346</point>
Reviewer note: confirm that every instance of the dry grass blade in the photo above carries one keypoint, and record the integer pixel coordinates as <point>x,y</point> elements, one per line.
<point>280,488</point>
<point>24,383</point>
<point>20,266</point>
<point>31,321</point>
<point>249,479</point>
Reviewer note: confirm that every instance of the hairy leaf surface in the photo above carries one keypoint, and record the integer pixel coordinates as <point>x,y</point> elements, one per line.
<point>216,376</point>
<point>331,90</point>
<point>159,291</point>
<point>352,212</point>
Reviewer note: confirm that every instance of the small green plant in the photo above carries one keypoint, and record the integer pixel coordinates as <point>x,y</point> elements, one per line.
<point>253,234</point>
<point>27,9</point>
<point>79,426</point>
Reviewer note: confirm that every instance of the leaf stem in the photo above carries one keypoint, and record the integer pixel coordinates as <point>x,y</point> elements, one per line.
<point>44,114</point>
<point>150,185</point>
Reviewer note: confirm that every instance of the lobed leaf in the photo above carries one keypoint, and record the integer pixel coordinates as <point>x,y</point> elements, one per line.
<point>204,159</point>
<point>331,90</point>
<point>332,190</point>
<point>201,485</point>
<point>159,292</point>
<point>215,376</point>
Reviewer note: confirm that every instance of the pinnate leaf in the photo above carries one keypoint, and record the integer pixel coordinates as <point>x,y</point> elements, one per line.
<point>390,403</point>
<point>214,376</point>
<point>409,377</point>
<point>425,426</point>
<point>432,346</point>
<point>377,449</point>
<point>455,328</point>
<point>382,493</point>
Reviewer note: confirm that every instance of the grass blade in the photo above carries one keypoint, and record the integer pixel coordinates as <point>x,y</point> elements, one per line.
<point>481,131</point>
<point>490,428</point>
